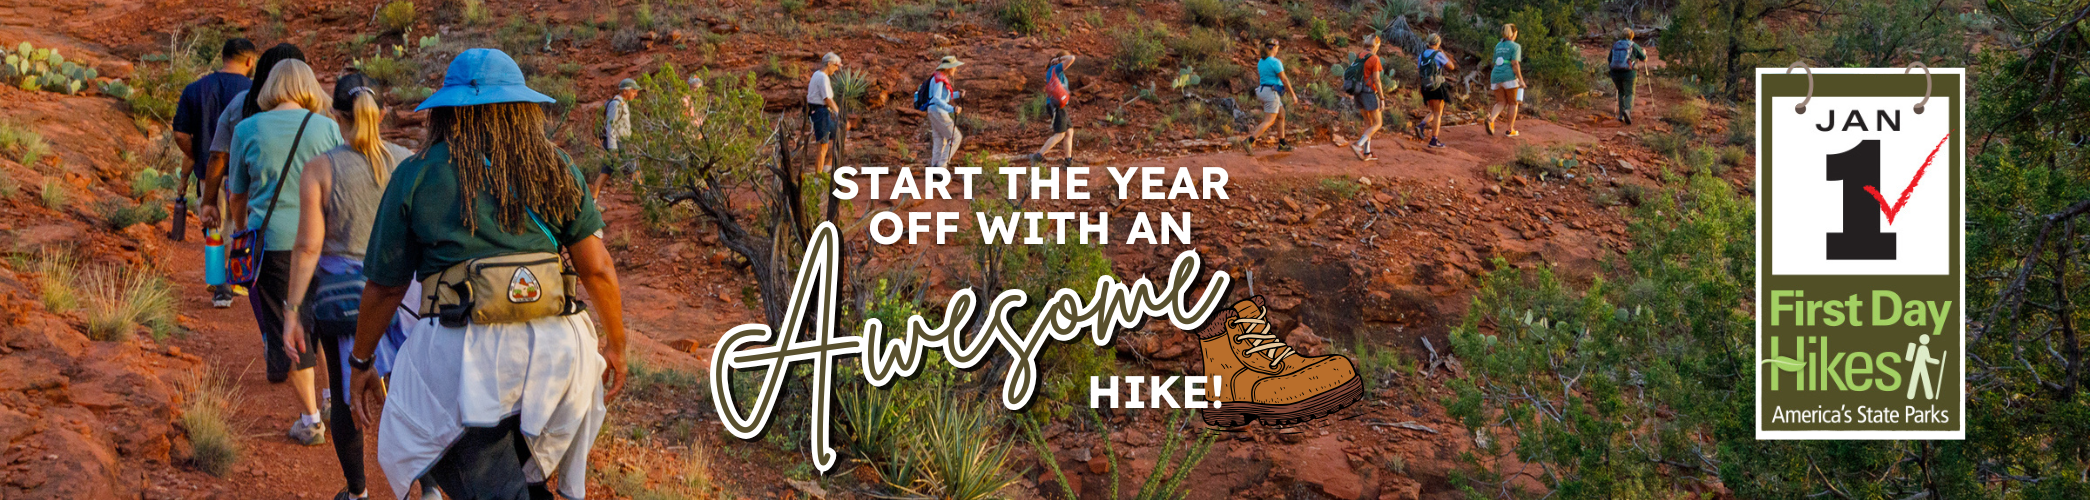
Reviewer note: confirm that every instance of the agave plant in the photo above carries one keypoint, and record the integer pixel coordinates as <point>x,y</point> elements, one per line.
<point>850,87</point>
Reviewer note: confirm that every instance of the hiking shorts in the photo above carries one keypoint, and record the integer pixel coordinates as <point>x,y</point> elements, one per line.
<point>1060,123</point>
<point>823,124</point>
<point>1272,97</point>
<point>1368,101</point>
<point>1441,93</point>
<point>1505,85</point>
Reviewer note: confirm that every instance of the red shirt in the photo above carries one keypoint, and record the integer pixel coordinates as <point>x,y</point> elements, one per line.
<point>1372,71</point>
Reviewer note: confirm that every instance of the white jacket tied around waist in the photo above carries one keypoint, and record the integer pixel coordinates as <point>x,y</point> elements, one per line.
<point>546,371</point>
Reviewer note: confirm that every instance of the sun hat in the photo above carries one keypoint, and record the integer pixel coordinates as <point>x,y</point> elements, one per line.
<point>950,62</point>
<point>628,84</point>
<point>482,76</point>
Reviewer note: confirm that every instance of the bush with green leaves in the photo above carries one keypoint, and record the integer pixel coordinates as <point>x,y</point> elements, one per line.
<point>1163,482</point>
<point>1140,49</point>
<point>1216,13</point>
<point>1025,16</point>
<point>396,17</point>
<point>119,214</point>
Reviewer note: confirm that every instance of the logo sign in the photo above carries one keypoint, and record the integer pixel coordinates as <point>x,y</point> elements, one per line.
<point>523,288</point>
<point>1860,275</point>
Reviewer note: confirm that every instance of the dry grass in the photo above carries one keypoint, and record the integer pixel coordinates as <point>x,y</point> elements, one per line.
<point>208,399</point>
<point>56,275</point>
<point>121,299</point>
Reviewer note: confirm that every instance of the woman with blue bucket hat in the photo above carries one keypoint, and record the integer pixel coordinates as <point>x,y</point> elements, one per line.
<point>501,387</point>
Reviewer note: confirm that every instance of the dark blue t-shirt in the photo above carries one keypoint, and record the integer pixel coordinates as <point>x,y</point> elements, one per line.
<point>201,102</point>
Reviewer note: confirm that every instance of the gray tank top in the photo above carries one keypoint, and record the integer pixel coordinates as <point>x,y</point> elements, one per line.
<point>351,206</point>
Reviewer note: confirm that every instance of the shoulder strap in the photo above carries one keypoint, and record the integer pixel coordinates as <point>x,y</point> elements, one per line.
<point>289,157</point>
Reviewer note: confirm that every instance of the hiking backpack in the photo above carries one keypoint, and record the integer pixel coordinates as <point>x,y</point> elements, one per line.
<point>1427,69</point>
<point>1622,55</point>
<point>921,95</point>
<point>1353,76</point>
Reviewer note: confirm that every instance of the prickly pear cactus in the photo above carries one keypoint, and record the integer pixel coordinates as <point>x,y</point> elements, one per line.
<point>28,83</point>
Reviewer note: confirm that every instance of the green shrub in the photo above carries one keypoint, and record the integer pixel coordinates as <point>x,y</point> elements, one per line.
<point>149,180</point>
<point>391,72</point>
<point>119,214</point>
<point>208,399</point>
<point>1687,114</point>
<point>475,12</point>
<point>1140,49</point>
<point>1742,130</point>
<point>1702,159</point>
<point>914,16</point>
<point>396,17</point>
<point>1203,48</point>
<point>1215,13</point>
<point>1338,189</point>
<point>1666,143</point>
<point>1733,156</point>
<point>1025,16</point>
<point>643,16</point>
<point>850,87</point>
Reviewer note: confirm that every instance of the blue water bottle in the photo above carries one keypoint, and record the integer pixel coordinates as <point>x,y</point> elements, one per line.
<point>213,258</point>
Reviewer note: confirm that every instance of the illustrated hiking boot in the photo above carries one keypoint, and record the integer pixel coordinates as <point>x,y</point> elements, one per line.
<point>1261,378</point>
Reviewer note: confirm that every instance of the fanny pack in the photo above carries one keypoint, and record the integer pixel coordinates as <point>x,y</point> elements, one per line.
<point>338,292</point>
<point>507,288</point>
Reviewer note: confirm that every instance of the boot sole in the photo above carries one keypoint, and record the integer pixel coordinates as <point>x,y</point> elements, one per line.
<point>1236,414</point>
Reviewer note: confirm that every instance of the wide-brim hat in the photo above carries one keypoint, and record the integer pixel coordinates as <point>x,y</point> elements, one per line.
<point>950,62</point>
<point>482,76</point>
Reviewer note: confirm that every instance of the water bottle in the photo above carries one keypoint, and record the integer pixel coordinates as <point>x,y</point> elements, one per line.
<point>179,229</point>
<point>213,257</point>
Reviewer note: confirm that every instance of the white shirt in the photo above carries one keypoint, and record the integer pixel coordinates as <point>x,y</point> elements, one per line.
<point>818,91</point>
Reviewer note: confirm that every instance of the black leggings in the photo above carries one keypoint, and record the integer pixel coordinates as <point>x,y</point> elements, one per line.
<point>348,440</point>
<point>486,463</point>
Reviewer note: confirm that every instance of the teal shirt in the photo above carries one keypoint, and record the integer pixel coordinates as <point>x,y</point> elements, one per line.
<point>421,229</point>
<point>259,145</point>
<point>1506,52</point>
<point>1269,70</point>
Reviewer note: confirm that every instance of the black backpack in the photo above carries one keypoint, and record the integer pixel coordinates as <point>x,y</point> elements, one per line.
<point>921,95</point>
<point>1353,77</point>
<point>1431,73</point>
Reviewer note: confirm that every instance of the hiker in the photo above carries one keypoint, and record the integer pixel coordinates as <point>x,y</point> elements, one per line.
<point>502,392</point>
<point>343,184</point>
<point>689,109</point>
<point>1625,63</point>
<point>1507,79</point>
<point>268,152</point>
<point>1432,64</point>
<point>820,106</point>
<point>213,183</point>
<point>944,136</point>
<point>1369,93</point>
<point>1057,93</point>
<point>616,126</point>
<point>200,103</point>
<point>1272,87</point>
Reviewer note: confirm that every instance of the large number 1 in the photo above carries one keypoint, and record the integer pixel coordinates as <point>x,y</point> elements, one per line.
<point>1861,238</point>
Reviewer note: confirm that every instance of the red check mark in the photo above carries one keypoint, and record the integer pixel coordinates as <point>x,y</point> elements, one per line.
<point>1890,211</point>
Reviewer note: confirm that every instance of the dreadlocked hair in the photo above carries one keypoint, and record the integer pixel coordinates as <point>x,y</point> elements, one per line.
<point>501,150</point>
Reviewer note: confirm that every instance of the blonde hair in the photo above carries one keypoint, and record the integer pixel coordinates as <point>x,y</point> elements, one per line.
<point>292,81</point>
<point>1630,34</point>
<point>1434,40</point>
<point>363,137</point>
<point>1509,31</point>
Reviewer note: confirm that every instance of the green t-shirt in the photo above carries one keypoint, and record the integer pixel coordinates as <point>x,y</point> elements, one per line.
<point>260,143</point>
<point>1506,52</point>
<point>420,230</point>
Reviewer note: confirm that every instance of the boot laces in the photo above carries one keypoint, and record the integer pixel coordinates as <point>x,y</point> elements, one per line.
<point>1262,341</point>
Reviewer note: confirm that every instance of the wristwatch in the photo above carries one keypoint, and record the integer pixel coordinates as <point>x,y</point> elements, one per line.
<point>359,364</point>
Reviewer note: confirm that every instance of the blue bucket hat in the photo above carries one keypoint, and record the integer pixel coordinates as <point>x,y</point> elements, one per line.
<point>482,76</point>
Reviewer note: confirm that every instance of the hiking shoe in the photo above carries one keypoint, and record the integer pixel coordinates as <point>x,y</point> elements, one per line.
<point>1371,157</point>
<point>1436,143</point>
<point>1418,130</point>
<point>1511,133</point>
<point>313,434</point>
<point>239,290</point>
<point>1491,126</point>
<point>1261,378</point>
<point>344,495</point>
<point>1248,146</point>
<point>1626,117</point>
<point>1359,151</point>
<point>220,299</point>
<point>1284,145</point>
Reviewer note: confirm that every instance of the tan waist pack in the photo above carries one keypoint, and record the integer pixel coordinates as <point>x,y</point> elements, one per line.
<point>509,288</point>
